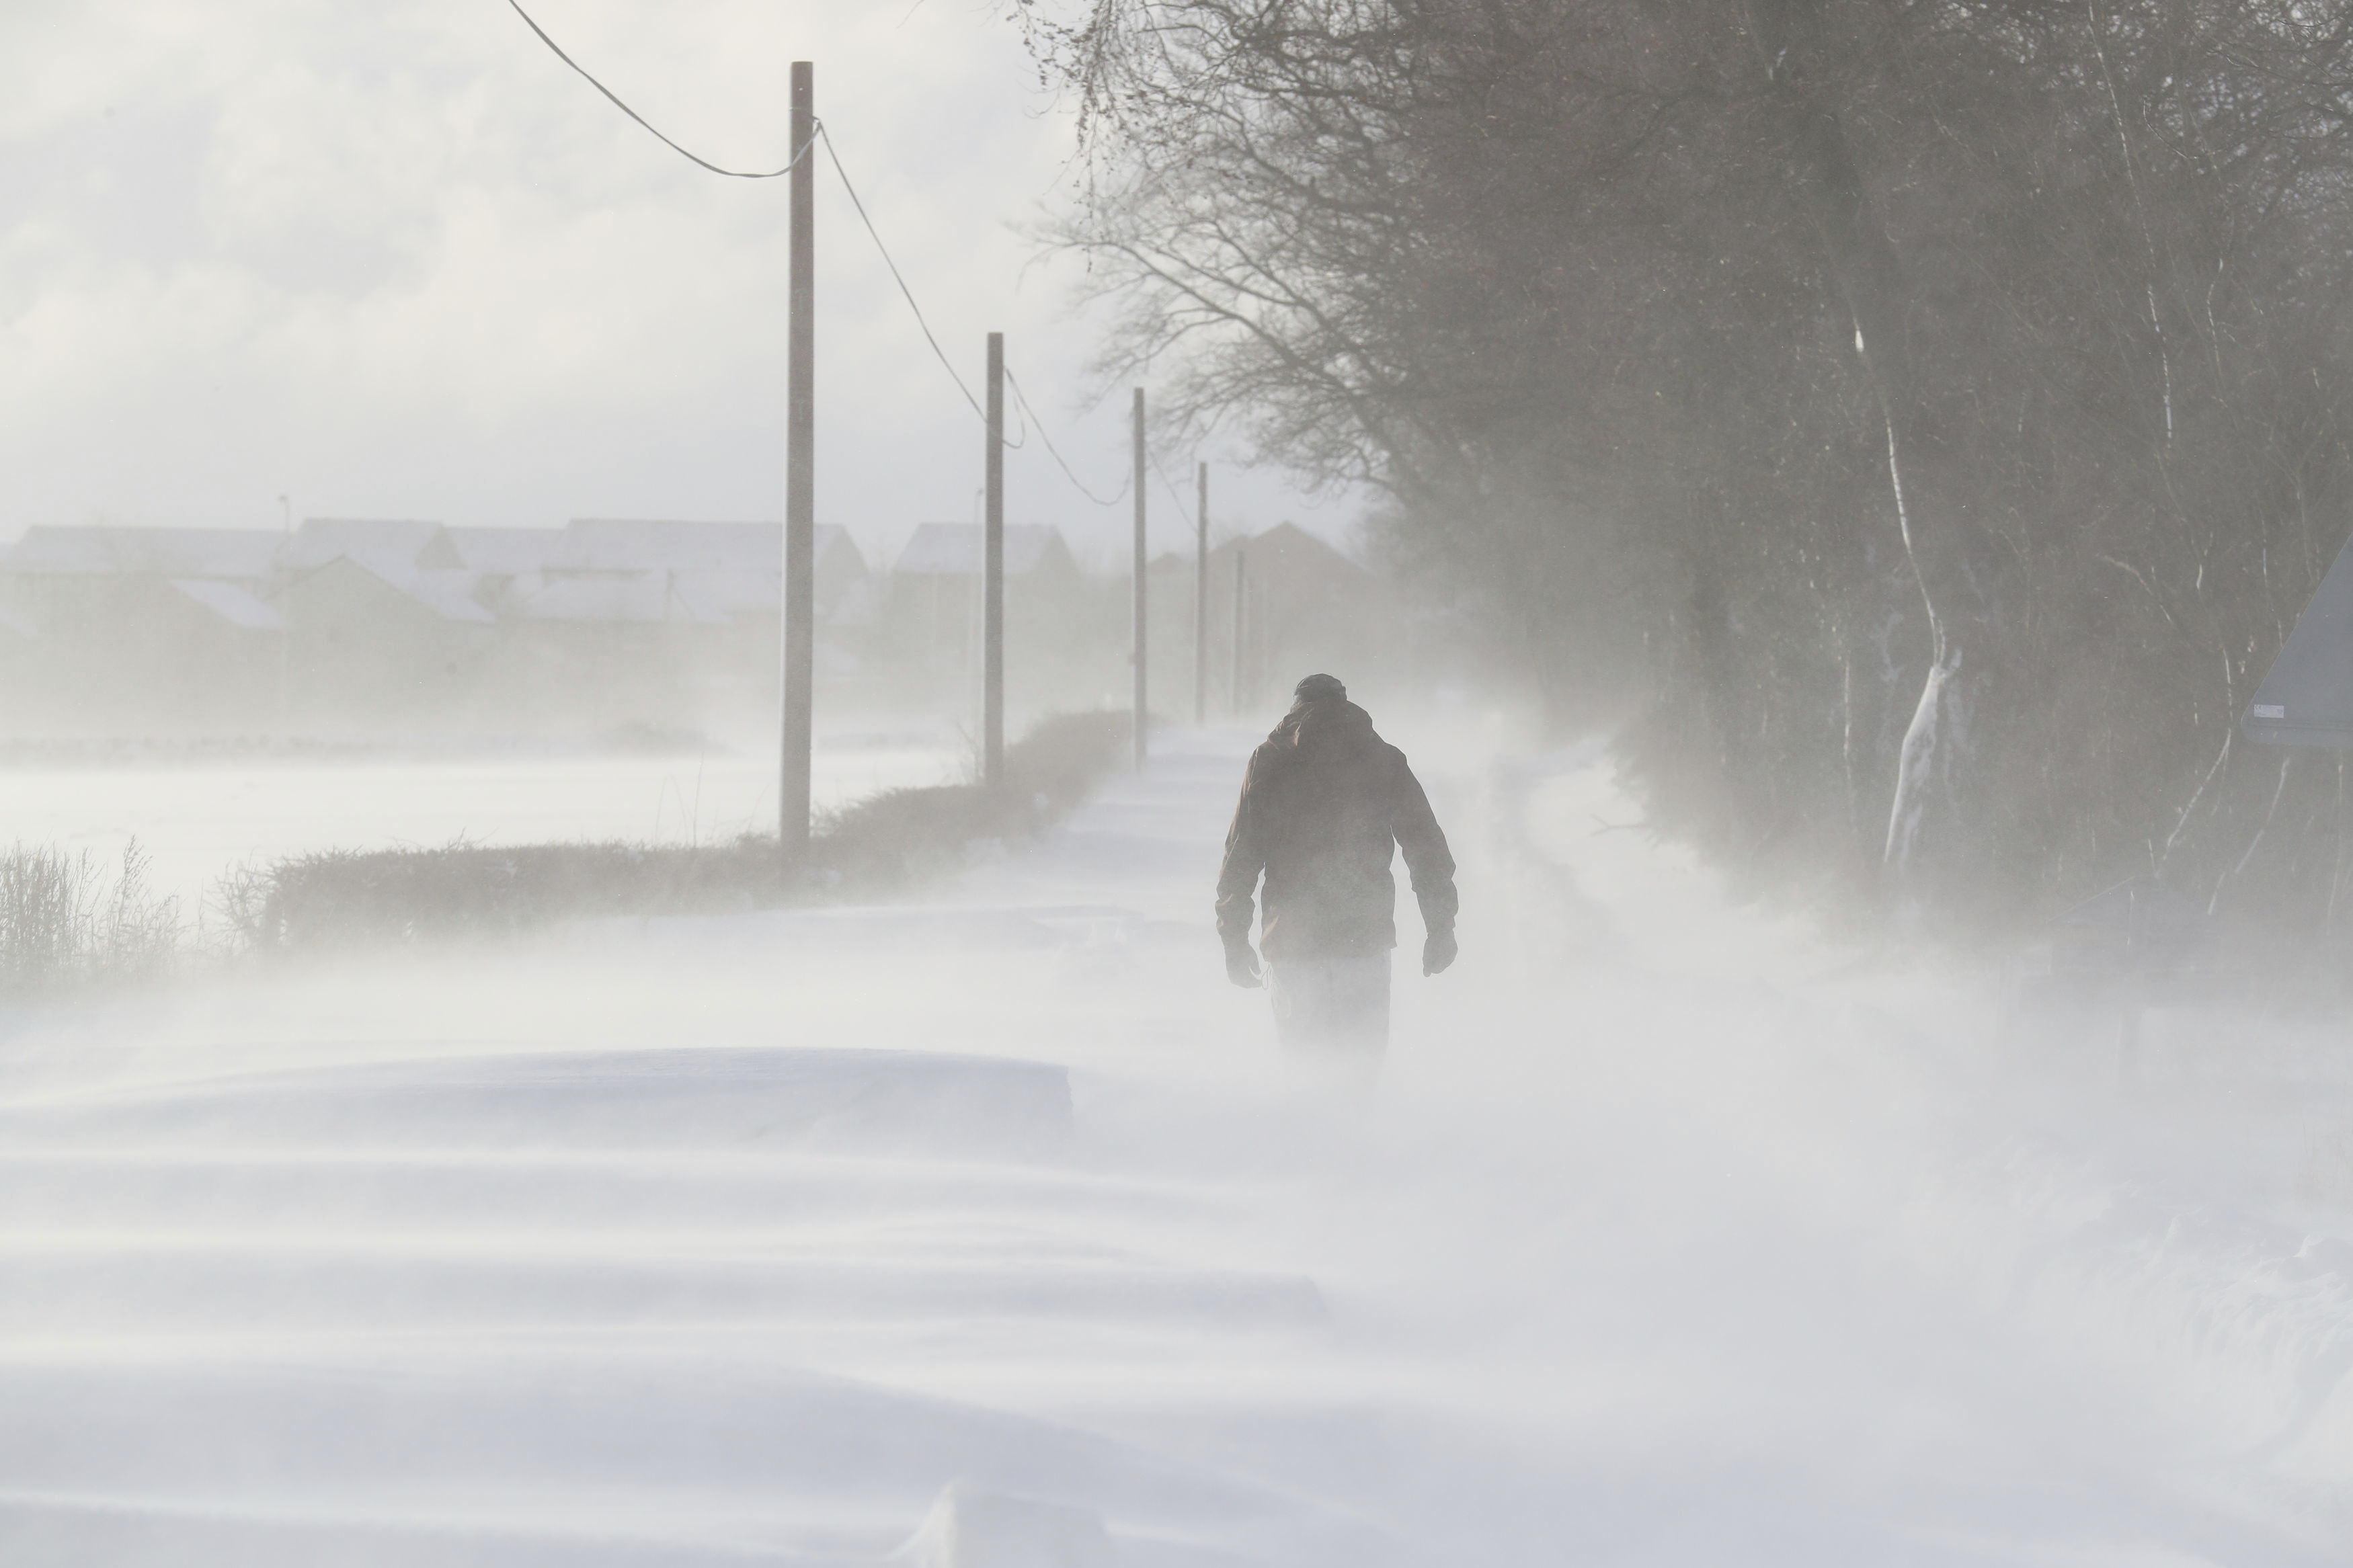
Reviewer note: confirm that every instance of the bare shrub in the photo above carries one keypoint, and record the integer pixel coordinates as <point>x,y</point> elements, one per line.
<point>64,921</point>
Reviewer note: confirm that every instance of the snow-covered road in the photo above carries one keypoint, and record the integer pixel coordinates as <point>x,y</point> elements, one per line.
<point>1676,1234</point>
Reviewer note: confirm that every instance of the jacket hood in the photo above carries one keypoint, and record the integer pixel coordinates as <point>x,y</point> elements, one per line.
<point>1316,723</point>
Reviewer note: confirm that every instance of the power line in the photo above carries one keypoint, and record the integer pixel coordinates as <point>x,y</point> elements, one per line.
<point>1174,494</point>
<point>769,174</point>
<point>1032,418</point>
<point>641,119</point>
<point>905,292</point>
<point>1038,421</point>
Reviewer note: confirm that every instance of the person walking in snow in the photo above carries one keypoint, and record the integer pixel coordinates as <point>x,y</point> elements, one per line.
<point>1322,802</point>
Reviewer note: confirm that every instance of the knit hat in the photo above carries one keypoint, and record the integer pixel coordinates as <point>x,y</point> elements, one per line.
<point>1320,688</point>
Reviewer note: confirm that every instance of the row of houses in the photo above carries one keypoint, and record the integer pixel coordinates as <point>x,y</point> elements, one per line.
<point>601,623</point>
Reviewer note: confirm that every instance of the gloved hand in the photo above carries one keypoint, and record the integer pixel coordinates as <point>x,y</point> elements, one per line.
<point>1438,952</point>
<point>1241,965</point>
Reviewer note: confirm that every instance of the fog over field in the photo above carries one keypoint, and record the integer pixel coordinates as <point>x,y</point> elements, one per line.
<point>1609,826</point>
<point>201,822</point>
<point>1675,1233</point>
<point>402,262</point>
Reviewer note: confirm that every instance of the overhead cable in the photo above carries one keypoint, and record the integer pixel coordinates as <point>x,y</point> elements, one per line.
<point>732,173</point>
<point>1038,421</point>
<point>905,292</point>
<point>1174,494</point>
<point>1032,418</point>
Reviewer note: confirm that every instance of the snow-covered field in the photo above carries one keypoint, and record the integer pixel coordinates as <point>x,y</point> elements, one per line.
<point>198,822</point>
<point>990,1231</point>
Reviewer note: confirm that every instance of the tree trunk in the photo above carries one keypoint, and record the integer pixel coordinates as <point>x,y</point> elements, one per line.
<point>1795,45</point>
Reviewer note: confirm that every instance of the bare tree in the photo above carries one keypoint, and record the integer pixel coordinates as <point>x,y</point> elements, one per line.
<point>1914,423</point>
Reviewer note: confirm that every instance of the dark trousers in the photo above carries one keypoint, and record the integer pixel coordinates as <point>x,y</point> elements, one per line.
<point>1331,1003</point>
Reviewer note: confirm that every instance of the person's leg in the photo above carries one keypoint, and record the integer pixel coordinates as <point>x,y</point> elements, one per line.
<point>1332,1015</point>
<point>1297,988</point>
<point>1360,1002</point>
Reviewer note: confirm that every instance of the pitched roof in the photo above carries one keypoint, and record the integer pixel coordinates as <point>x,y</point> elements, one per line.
<point>439,591</point>
<point>630,544</point>
<point>231,604</point>
<point>736,592</point>
<point>630,596</point>
<point>955,549</point>
<point>321,539</point>
<point>504,552</point>
<point>51,551</point>
<point>1293,545</point>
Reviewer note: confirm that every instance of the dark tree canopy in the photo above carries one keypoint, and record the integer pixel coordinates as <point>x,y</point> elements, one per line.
<point>1914,424</point>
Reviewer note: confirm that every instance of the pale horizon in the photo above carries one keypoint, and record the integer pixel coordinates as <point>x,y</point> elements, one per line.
<point>407,264</point>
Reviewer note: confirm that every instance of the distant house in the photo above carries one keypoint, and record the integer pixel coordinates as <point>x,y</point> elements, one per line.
<point>669,622</point>
<point>55,577</point>
<point>942,565</point>
<point>503,562</point>
<point>1056,617</point>
<point>104,550</point>
<point>372,637</point>
<point>234,603</point>
<point>619,648</point>
<point>735,568</point>
<point>504,552</point>
<point>402,541</point>
<point>608,544</point>
<point>621,571</point>
<point>1306,607</point>
<point>937,586</point>
<point>1296,571</point>
<point>368,620</point>
<point>20,661</point>
<point>623,599</point>
<point>959,549</point>
<point>148,627</point>
<point>381,619</point>
<point>706,599</point>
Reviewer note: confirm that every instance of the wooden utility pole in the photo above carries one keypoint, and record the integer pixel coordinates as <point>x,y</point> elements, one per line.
<point>992,589</point>
<point>1140,579</point>
<point>286,620</point>
<point>1202,596</point>
<point>1241,620</point>
<point>800,484</point>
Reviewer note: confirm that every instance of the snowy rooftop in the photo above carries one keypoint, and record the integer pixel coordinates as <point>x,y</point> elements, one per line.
<point>629,544</point>
<point>238,552</point>
<point>321,539</point>
<point>504,552</point>
<point>443,592</point>
<point>626,544</point>
<point>627,597</point>
<point>231,604</point>
<point>955,550</point>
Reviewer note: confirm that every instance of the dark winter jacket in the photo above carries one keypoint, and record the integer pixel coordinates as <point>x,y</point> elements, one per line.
<point>1322,801</point>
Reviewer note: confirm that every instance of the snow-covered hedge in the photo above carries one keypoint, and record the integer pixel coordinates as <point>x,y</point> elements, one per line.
<point>343,898</point>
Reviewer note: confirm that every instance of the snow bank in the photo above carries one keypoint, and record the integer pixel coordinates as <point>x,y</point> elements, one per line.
<point>994,1231</point>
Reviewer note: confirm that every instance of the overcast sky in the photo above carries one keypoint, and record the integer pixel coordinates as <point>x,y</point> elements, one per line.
<point>395,259</point>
